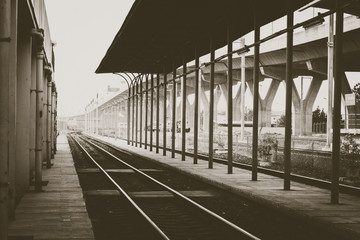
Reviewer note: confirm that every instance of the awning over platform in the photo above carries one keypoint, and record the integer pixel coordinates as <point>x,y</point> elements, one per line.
<point>158,33</point>
<point>164,31</point>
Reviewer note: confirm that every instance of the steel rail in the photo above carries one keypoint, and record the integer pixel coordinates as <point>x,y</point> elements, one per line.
<point>137,208</point>
<point>179,195</point>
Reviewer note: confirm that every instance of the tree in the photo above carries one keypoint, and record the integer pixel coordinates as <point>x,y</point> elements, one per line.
<point>356,90</point>
<point>323,116</point>
<point>281,121</point>
<point>316,115</point>
<point>319,115</point>
<point>249,115</point>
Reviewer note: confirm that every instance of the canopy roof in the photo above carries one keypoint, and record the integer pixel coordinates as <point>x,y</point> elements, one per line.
<point>161,33</point>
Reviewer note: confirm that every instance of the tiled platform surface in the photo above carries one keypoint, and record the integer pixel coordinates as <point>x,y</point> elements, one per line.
<point>59,211</point>
<point>303,202</point>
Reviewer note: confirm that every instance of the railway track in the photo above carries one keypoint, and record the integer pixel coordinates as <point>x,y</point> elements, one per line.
<point>103,201</point>
<point>158,211</point>
<point>294,177</point>
<point>343,188</point>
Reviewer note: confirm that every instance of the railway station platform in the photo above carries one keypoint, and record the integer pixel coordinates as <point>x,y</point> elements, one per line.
<point>303,202</point>
<point>58,212</point>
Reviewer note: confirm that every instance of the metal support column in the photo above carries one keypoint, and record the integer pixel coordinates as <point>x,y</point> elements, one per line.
<point>141,111</point>
<point>109,119</point>
<point>55,121</point>
<point>157,110</point>
<point>289,83</point>
<point>104,120</point>
<point>133,114</point>
<point>242,104</point>
<point>53,118</point>
<point>39,116</point>
<point>111,112</point>
<point>137,112</point>
<point>254,176</point>
<point>114,111</point>
<point>211,103</point>
<point>164,112</point>
<point>117,106</point>
<point>173,122</point>
<point>330,75</point>
<point>196,107</point>
<point>5,30</point>
<point>230,100</point>
<point>120,118</point>
<point>44,118</point>
<point>151,110</point>
<point>23,89</point>
<point>337,106</point>
<point>114,107</point>
<point>146,109</point>
<point>183,115</point>
<point>128,115</point>
<point>48,121</point>
<point>13,62</point>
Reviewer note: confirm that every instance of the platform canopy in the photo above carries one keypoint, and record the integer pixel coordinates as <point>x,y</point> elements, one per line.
<point>158,33</point>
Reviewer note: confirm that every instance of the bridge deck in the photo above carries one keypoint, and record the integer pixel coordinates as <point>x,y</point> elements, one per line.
<point>307,203</point>
<point>59,211</point>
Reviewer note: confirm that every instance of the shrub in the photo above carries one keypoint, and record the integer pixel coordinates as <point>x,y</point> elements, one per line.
<point>350,152</point>
<point>267,144</point>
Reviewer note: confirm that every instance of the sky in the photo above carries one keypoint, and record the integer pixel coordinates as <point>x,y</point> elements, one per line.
<point>83,31</point>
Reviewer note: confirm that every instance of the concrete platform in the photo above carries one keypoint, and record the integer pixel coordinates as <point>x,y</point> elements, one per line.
<point>59,211</point>
<point>303,202</point>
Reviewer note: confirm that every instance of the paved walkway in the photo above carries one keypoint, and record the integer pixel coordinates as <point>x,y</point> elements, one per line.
<point>303,202</point>
<point>59,211</point>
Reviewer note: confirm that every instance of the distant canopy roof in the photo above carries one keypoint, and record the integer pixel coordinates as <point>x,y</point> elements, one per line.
<point>160,33</point>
